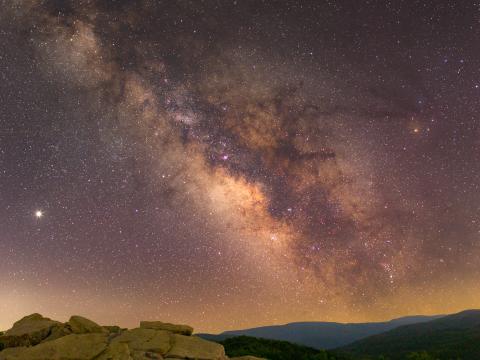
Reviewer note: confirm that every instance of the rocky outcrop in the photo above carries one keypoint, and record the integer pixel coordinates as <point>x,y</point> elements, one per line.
<point>38,338</point>
<point>30,331</point>
<point>176,329</point>
<point>81,325</point>
<point>193,347</point>
<point>69,347</point>
<point>145,340</point>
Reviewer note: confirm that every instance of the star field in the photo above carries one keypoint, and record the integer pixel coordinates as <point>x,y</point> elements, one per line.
<point>229,164</point>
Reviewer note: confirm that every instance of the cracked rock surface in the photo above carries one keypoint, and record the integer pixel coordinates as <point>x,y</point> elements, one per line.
<point>35,337</point>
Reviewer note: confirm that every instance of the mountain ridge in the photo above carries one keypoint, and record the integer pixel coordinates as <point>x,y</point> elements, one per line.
<point>455,336</point>
<point>321,334</point>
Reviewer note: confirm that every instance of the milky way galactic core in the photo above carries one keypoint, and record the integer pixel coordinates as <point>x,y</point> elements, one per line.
<point>230,164</point>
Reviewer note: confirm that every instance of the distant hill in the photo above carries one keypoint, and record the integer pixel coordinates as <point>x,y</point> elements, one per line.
<point>320,335</point>
<point>275,350</point>
<point>454,336</point>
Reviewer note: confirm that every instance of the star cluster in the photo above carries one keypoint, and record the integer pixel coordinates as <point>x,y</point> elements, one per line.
<point>230,164</point>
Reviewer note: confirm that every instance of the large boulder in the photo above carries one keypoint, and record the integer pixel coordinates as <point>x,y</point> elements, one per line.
<point>193,347</point>
<point>57,332</point>
<point>155,341</point>
<point>37,338</point>
<point>121,351</point>
<point>158,325</point>
<point>81,325</point>
<point>70,347</point>
<point>146,355</point>
<point>29,331</point>
<point>117,351</point>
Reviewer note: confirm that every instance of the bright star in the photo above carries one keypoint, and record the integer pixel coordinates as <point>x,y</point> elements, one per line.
<point>38,214</point>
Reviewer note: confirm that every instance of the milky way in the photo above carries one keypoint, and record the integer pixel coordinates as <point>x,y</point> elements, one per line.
<point>229,164</point>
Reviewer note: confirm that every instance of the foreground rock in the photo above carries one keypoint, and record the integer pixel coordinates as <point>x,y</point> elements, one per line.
<point>38,338</point>
<point>176,329</point>
<point>70,347</point>
<point>193,347</point>
<point>145,340</point>
<point>31,330</point>
<point>81,325</point>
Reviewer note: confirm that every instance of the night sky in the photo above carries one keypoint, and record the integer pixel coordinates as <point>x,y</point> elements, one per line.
<point>229,164</point>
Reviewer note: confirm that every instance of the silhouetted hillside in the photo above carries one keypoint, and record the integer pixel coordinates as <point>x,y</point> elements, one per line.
<point>275,350</point>
<point>455,336</point>
<point>320,335</point>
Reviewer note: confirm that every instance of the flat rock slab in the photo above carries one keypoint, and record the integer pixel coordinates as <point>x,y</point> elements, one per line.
<point>117,351</point>
<point>35,337</point>
<point>146,355</point>
<point>173,328</point>
<point>155,341</point>
<point>70,347</point>
<point>193,347</point>
<point>29,331</point>
<point>81,325</point>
